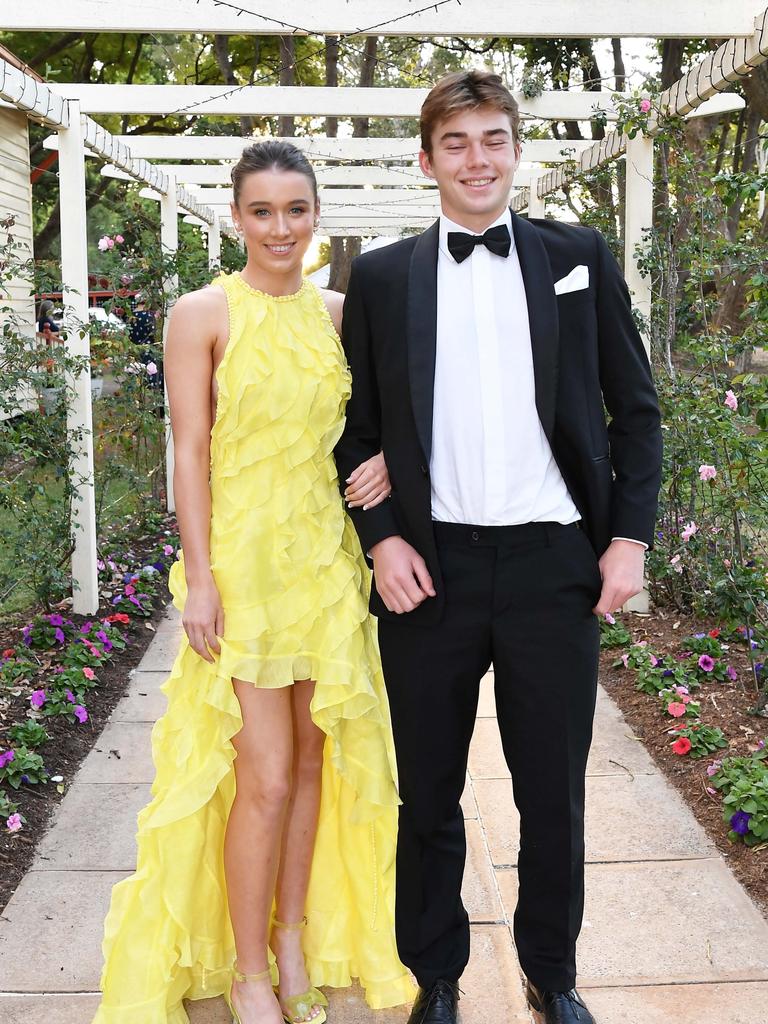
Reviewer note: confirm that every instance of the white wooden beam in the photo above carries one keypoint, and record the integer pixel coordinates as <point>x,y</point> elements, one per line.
<point>638,221</point>
<point>74,276</point>
<point>308,101</point>
<point>33,97</point>
<point>542,19</point>
<point>169,241</point>
<point>317,147</point>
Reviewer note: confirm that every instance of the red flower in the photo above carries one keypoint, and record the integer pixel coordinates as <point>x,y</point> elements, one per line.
<point>714,633</point>
<point>9,652</point>
<point>681,746</point>
<point>119,617</point>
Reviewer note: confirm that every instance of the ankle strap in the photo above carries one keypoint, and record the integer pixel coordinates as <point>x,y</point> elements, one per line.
<point>239,976</point>
<point>292,926</point>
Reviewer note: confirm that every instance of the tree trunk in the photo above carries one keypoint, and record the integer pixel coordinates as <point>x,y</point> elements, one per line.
<point>286,126</point>
<point>221,52</point>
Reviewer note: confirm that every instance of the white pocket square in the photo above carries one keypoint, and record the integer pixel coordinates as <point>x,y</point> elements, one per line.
<point>573,282</point>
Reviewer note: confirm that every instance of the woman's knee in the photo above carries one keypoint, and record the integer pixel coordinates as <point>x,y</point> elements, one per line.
<point>309,757</point>
<point>267,791</point>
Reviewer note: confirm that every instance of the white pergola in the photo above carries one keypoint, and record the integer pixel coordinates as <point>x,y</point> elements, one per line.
<point>387,193</point>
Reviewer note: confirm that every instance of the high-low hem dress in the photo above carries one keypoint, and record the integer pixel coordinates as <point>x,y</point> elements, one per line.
<point>294,589</point>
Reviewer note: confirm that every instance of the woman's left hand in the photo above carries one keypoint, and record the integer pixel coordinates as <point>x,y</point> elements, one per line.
<point>369,484</point>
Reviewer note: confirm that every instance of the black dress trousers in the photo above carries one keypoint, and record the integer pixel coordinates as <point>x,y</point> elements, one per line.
<point>520,598</point>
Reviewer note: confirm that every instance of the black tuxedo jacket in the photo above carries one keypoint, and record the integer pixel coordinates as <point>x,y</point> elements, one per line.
<point>587,357</point>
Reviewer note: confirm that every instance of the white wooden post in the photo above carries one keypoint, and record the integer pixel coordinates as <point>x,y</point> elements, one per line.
<point>214,244</point>
<point>74,275</point>
<point>638,220</point>
<point>169,240</point>
<point>536,204</point>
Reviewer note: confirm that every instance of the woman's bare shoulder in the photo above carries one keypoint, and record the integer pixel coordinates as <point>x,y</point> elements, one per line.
<point>335,303</point>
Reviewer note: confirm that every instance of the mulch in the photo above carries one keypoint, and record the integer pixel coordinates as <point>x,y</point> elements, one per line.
<point>724,704</point>
<point>68,745</point>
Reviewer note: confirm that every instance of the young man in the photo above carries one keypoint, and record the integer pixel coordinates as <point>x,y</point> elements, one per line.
<point>483,354</point>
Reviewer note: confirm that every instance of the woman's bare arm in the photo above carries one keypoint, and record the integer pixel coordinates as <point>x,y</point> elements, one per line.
<point>193,333</point>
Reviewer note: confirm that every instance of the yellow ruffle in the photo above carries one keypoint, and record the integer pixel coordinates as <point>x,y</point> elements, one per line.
<point>294,589</point>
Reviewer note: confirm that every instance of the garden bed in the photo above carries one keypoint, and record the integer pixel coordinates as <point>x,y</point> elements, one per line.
<point>69,738</point>
<point>724,705</point>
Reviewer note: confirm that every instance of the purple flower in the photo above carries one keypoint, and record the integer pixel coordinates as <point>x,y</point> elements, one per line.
<point>59,635</point>
<point>86,627</point>
<point>6,758</point>
<point>759,666</point>
<point>101,635</point>
<point>25,779</point>
<point>159,566</point>
<point>58,669</point>
<point>80,713</point>
<point>27,634</point>
<point>108,645</point>
<point>56,620</point>
<point>667,672</point>
<point>740,822</point>
<point>714,768</point>
<point>732,673</point>
<point>37,698</point>
<point>706,664</point>
<point>699,636</point>
<point>70,696</point>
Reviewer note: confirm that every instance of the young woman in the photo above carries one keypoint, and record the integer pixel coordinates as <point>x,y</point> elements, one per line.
<point>267,853</point>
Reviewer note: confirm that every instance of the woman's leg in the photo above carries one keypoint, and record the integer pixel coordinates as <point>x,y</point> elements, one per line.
<point>263,769</point>
<point>298,843</point>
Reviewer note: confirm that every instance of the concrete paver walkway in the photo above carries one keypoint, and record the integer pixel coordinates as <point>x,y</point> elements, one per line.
<point>668,936</point>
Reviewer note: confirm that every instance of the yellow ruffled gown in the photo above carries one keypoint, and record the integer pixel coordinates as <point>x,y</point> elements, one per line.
<point>294,586</point>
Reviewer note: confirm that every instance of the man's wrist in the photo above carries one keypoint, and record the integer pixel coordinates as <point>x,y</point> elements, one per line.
<point>377,546</point>
<point>632,540</point>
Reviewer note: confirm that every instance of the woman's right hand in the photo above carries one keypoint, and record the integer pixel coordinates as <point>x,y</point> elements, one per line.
<point>203,619</point>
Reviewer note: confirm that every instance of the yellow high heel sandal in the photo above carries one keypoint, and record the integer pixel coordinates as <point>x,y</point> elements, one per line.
<point>297,1009</point>
<point>238,975</point>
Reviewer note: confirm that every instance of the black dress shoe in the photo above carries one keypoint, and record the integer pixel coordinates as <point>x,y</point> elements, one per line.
<point>436,1004</point>
<point>557,1007</point>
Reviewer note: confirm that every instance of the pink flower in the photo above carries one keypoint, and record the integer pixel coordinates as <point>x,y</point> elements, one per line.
<point>89,673</point>
<point>609,619</point>
<point>104,243</point>
<point>681,690</point>
<point>675,563</point>
<point>37,698</point>
<point>711,791</point>
<point>6,758</point>
<point>706,664</point>
<point>688,531</point>
<point>129,589</point>
<point>654,661</point>
<point>714,768</point>
<point>80,713</point>
<point>13,824</point>
<point>645,106</point>
<point>676,709</point>
<point>168,549</point>
<point>707,472</point>
<point>731,400</point>
<point>732,673</point>
<point>625,660</point>
<point>151,369</point>
<point>119,239</point>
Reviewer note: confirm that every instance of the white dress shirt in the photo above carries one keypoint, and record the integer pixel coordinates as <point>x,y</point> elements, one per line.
<point>491,463</point>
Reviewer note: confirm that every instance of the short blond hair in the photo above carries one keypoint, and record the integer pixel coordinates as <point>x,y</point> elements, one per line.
<point>466,90</point>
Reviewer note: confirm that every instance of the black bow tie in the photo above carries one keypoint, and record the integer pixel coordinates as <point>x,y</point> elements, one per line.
<point>461,244</point>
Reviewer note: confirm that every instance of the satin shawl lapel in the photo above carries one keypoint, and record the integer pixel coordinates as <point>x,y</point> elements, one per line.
<point>542,317</point>
<point>422,332</point>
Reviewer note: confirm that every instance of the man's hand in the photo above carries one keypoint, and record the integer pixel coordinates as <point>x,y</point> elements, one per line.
<point>401,575</point>
<point>622,570</point>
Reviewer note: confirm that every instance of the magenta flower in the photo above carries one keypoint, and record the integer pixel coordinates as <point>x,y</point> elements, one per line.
<point>86,627</point>
<point>707,472</point>
<point>13,824</point>
<point>645,106</point>
<point>59,635</point>
<point>706,664</point>
<point>37,698</point>
<point>56,620</point>
<point>70,696</point>
<point>732,674</point>
<point>731,400</point>
<point>609,619</point>
<point>168,550</point>
<point>6,758</point>
<point>80,713</point>
<point>688,531</point>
